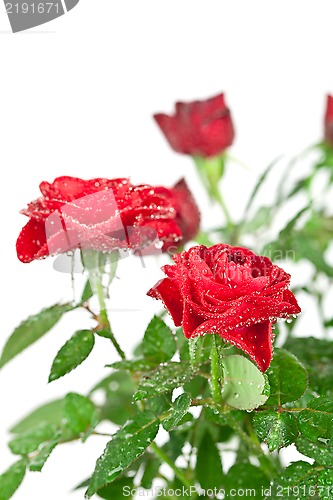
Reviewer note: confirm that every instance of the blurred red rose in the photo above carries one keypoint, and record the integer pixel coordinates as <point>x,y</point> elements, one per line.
<point>199,128</point>
<point>329,121</point>
<point>105,214</point>
<point>229,291</point>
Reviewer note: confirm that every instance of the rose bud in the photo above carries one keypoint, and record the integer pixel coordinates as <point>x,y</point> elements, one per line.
<point>199,128</point>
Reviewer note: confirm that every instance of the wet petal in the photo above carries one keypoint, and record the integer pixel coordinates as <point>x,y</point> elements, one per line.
<point>31,243</point>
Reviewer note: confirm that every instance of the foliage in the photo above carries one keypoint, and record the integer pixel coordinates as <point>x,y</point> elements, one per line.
<point>205,395</point>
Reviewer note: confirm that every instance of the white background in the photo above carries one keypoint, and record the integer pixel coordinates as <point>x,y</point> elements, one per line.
<point>77,97</point>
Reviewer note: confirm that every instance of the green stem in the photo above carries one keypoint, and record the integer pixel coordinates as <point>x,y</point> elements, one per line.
<point>94,262</point>
<point>220,200</point>
<point>216,373</point>
<point>269,468</point>
<point>253,444</point>
<point>104,319</point>
<point>211,171</point>
<point>164,458</point>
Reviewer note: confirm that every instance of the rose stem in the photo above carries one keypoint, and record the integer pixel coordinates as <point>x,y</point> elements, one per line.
<point>178,473</point>
<point>216,375</point>
<point>94,263</point>
<point>104,319</point>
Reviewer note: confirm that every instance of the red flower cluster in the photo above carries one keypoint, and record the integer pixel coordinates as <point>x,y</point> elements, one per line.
<point>199,128</point>
<point>329,121</point>
<point>229,291</point>
<point>103,215</point>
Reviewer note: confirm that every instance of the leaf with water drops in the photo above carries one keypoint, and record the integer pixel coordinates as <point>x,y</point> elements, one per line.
<point>158,344</point>
<point>276,429</point>
<point>209,466</point>
<point>80,414</point>
<point>299,480</point>
<point>72,354</point>
<point>180,407</point>
<point>32,330</point>
<point>320,451</point>
<point>287,378</point>
<point>200,348</point>
<point>316,421</point>
<point>31,440</point>
<point>135,365</point>
<point>117,392</point>
<point>160,404</point>
<point>125,447</point>
<point>316,355</point>
<point>325,484</point>
<point>12,478</point>
<point>244,386</point>
<point>165,378</point>
<point>245,477</point>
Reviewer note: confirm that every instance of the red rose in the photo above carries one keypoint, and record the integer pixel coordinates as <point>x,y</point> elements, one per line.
<point>329,121</point>
<point>229,291</point>
<point>104,215</point>
<point>199,128</point>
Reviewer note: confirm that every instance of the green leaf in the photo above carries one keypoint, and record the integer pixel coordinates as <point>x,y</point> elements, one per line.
<point>87,292</point>
<point>224,432</point>
<point>244,386</point>
<point>159,344</point>
<point>11,479</point>
<point>321,452</point>
<point>126,446</point>
<point>299,480</point>
<point>117,389</point>
<point>197,387</point>
<point>259,220</point>
<point>137,365</point>
<point>118,490</point>
<point>209,467</point>
<point>36,463</point>
<point>51,413</point>
<point>182,345</point>
<point>174,446</point>
<point>316,421</point>
<point>163,379</point>
<point>287,378</point>
<point>160,404</point>
<point>121,488</point>
<point>152,467</point>
<point>200,348</point>
<point>245,477</point>
<point>310,249</point>
<point>31,330</point>
<point>180,407</point>
<point>325,482</point>
<point>316,355</point>
<point>31,440</point>
<point>80,413</point>
<point>276,429</point>
<point>72,354</point>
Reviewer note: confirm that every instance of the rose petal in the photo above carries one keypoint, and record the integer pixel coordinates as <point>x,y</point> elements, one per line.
<point>167,291</point>
<point>31,243</point>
